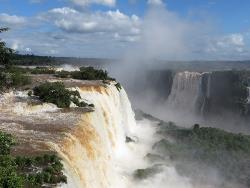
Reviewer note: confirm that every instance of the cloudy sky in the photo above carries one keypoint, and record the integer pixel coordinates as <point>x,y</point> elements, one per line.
<point>171,29</point>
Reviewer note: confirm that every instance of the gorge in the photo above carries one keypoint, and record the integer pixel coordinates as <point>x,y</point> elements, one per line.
<point>103,145</point>
<point>213,98</point>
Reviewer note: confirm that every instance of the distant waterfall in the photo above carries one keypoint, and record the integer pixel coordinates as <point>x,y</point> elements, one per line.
<point>185,91</point>
<point>190,92</point>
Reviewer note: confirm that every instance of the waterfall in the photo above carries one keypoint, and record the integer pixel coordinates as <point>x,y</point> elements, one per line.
<point>185,91</point>
<point>190,92</point>
<point>92,145</point>
<point>91,151</point>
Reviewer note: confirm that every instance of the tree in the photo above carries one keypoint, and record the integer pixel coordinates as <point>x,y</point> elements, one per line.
<point>6,141</point>
<point>56,93</point>
<point>5,52</point>
<point>196,127</point>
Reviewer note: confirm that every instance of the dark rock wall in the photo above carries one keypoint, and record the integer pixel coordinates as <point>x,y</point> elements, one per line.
<point>222,91</point>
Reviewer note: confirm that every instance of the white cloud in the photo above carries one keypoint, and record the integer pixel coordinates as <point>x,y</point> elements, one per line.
<point>232,40</point>
<point>88,2</point>
<point>126,38</point>
<point>11,19</point>
<point>159,34</point>
<point>155,2</point>
<point>109,22</point>
<point>70,32</point>
<point>83,3</point>
<point>230,44</point>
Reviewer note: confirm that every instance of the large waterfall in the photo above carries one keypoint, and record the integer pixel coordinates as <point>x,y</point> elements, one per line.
<point>185,91</point>
<point>92,150</point>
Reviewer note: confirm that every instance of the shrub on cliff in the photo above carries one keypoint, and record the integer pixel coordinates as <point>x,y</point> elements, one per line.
<point>19,172</point>
<point>57,94</point>
<point>90,73</point>
<point>86,73</point>
<point>118,86</point>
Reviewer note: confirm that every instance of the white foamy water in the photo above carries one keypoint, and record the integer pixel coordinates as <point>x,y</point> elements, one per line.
<point>26,109</point>
<point>17,103</point>
<point>67,67</point>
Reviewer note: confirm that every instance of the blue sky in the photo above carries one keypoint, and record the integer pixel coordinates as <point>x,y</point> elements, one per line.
<point>171,29</point>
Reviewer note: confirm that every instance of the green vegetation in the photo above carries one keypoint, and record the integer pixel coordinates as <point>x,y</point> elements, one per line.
<point>29,60</point>
<point>42,70</point>
<point>57,94</point>
<point>86,73</point>
<point>48,169</point>
<point>6,142</point>
<point>89,73</point>
<point>207,147</point>
<point>10,79</point>
<point>118,86</point>
<point>147,172</point>
<point>19,172</point>
<point>210,139</point>
<point>64,74</point>
<point>26,70</point>
<point>140,115</point>
<point>5,52</point>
